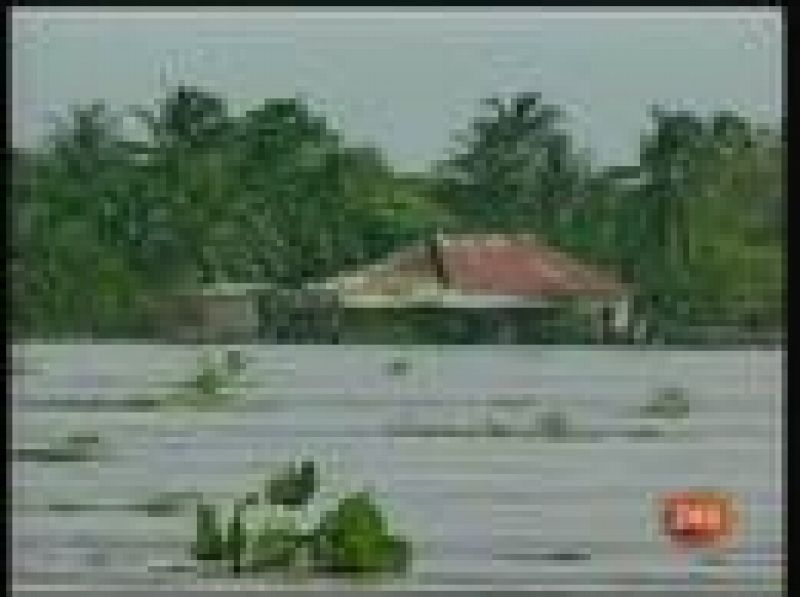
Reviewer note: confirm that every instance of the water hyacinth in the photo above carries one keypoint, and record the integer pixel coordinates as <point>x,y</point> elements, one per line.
<point>352,538</point>
<point>293,487</point>
<point>209,544</point>
<point>212,384</point>
<point>275,546</point>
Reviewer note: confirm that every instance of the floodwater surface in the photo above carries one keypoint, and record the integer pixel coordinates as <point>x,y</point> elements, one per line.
<point>483,508</point>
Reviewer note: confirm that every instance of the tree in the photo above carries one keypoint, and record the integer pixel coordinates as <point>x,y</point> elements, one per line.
<point>710,246</point>
<point>515,168</point>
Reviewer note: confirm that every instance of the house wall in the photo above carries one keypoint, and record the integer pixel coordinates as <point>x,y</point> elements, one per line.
<point>197,318</point>
<point>460,326</point>
<point>230,318</point>
<point>247,317</point>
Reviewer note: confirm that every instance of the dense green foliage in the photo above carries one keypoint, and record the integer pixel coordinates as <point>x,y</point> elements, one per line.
<point>353,538</point>
<point>697,225</point>
<point>104,222</point>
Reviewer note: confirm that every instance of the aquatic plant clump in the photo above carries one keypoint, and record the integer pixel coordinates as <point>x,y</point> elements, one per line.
<point>209,542</point>
<point>212,383</point>
<point>352,538</point>
<point>293,487</point>
<point>276,547</point>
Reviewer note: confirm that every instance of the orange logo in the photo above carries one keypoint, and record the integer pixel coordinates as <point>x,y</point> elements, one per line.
<point>693,519</point>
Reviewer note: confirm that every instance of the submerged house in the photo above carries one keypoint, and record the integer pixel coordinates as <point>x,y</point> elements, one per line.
<point>459,289</point>
<point>216,313</point>
<point>476,288</point>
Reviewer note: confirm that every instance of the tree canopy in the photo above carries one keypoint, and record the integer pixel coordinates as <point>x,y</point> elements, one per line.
<point>102,222</point>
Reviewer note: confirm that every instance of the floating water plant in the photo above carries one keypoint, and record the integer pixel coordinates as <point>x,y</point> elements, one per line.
<point>212,384</point>
<point>670,403</point>
<point>208,382</point>
<point>276,546</point>
<point>293,487</point>
<point>209,544</point>
<point>352,538</point>
<point>236,538</point>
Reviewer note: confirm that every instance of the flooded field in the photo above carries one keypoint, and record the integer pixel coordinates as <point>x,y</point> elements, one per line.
<point>443,437</point>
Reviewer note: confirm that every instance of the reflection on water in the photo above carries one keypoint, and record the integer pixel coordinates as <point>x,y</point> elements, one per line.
<point>483,508</point>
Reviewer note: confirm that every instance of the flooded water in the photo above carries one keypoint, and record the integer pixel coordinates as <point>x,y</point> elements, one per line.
<point>481,510</point>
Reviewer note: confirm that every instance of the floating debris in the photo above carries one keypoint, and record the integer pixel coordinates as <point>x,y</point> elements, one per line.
<point>552,425</point>
<point>76,447</point>
<point>569,555</point>
<point>644,432</point>
<point>164,504</point>
<point>397,366</point>
<point>671,403</point>
<point>89,438</point>
<point>579,554</point>
<point>515,401</point>
<point>137,403</point>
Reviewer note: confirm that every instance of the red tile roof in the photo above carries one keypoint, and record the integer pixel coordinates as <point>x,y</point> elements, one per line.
<point>481,265</point>
<point>519,266</point>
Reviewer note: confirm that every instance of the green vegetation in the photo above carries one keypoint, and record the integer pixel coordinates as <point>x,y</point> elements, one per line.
<point>105,228</point>
<point>351,539</point>
<point>212,385</point>
<point>293,487</point>
<point>209,544</point>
